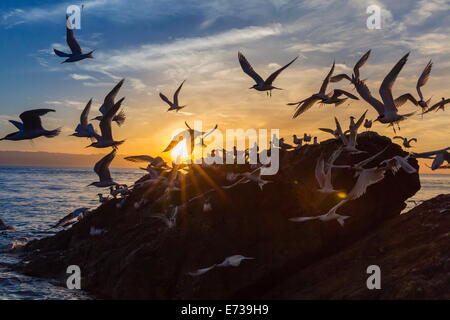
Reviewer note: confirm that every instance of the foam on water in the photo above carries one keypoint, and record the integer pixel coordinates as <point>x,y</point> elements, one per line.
<point>34,198</point>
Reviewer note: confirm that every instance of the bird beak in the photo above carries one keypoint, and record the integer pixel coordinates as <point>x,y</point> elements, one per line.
<point>251,88</point>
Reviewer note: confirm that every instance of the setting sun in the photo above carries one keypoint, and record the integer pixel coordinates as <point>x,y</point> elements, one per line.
<point>179,153</point>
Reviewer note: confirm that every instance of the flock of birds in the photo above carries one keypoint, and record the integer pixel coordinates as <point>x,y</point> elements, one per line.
<point>387,109</point>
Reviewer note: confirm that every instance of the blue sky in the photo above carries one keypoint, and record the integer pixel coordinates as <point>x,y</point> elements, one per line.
<point>157,44</point>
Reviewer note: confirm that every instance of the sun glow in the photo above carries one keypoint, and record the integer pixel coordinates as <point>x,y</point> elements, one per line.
<point>179,153</point>
<point>341,195</point>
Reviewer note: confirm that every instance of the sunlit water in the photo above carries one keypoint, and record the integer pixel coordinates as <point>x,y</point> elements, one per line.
<point>34,198</point>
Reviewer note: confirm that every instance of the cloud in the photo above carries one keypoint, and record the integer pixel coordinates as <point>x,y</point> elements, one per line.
<point>77,76</point>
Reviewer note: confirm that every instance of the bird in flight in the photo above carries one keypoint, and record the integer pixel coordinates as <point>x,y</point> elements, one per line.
<point>322,96</point>
<point>173,105</point>
<point>423,79</point>
<point>387,110</point>
<point>31,126</point>
<point>75,48</point>
<point>355,75</point>
<point>108,103</point>
<point>405,141</point>
<point>84,128</point>
<point>261,84</point>
<point>101,168</point>
<point>438,106</point>
<point>438,156</point>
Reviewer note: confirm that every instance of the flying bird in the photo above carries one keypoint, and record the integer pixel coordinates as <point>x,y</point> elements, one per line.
<point>101,168</point>
<point>31,126</point>
<point>387,110</point>
<point>261,85</point>
<point>173,105</point>
<point>323,172</point>
<point>233,261</point>
<point>189,133</point>
<point>349,140</point>
<point>106,139</point>
<point>329,216</point>
<point>355,75</point>
<point>108,104</point>
<point>76,53</point>
<point>423,79</point>
<point>438,106</point>
<point>438,156</point>
<point>71,218</point>
<point>84,128</point>
<point>322,96</point>
<point>405,141</point>
<point>395,163</point>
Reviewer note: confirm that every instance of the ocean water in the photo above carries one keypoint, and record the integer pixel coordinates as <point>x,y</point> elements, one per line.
<point>34,198</point>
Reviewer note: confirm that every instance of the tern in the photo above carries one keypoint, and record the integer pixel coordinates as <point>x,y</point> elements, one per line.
<point>169,220</point>
<point>423,79</point>
<point>284,145</point>
<point>438,156</point>
<point>101,198</point>
<point>233,261</point>
<point>322,96</point>
<point>173,105</point>
<point>261,85</point>
<point>71,218</point>
<point>438,106</point>
<point>323,174</point>
<point>350,140</point>
<point>359,166</point>
<point>329,216</point>
<point>84,128</point>
<point>395,163</point>
<point>199,272</point>
<point>355,75</point>
<point>405,141</point>
<point>75,48</point>
<point>368,124</point>
<point>101,168</point>
<point>297,141</point>
<point>31,126</point>
<point>189,133</point>
<point>108,104</point>
<point>106,139</point>
<point>387,109</point>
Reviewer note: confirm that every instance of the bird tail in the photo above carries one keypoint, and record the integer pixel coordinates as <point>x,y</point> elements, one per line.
<point>53,133</point>
<point>340,102</point>
<point>89,55</point>
<point>341,220</point>
<point>120,118</point>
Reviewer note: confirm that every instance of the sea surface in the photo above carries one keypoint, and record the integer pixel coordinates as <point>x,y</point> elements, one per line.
<point>33,198</point>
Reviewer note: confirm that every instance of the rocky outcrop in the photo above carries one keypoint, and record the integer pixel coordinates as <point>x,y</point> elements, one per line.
<point>139,257</point>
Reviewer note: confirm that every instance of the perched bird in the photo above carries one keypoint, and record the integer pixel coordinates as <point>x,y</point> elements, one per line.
<point>297,141</point>
<point>108,104</point>
<point>106,139</point>
<point>423,79</point>
<point>438,106</point>
<point>307,137</point>
<point>71,218</point>
<point>368,124</point>
<point>85,129</point>
<point>31,126</point>
<point>329,216</point>
<point>322,96</point>
<point>261,85</point>
<point>315,142</point>
<point>387,109</point>
<point>406,141</point>
<point>173,105</point>
<point>323,172</point>
<point>284,145</point>
<point>438,156</point>
<point>75,48</point>
<point>349,140</point>
<point>101,168</point>
<point>355,75</point>
<point>101,198</point>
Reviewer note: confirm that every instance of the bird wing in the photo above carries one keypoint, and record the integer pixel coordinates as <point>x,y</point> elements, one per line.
<point>17,124</point>
<point>365,179</point>
<point>424,78</point>
<point>369,159</point>
<point>165,99</point>
<point>31,119</point>
<point>339,77</point>
<point>101,168</point>
<point>437,105</point>
<point>274,75</point>
<point>305,105</point>
<point>430,153</point>
<point>362,61</point>
<point>178,138</point>
<point>399,137</point>
<point>248,69</point>
<point>412,139</point>
<point>360,121</point>
<point>338,92</point>
<point>210,131</point>
<point>331,131</point>
<point>175,96</point>
<point>105,123</point>
<point>339,132</point>
<point>438,161</point>
<point>85,113</point>
<point>70,38</point>
<point>325,82</point>
<point>141,158</point>
<point>403,162</point>
<point>364,92</point>
<point>61,54</point>
<point>403,98</point>
<point>319,172</point>
<point>108,103</point>
<point>388,82</point>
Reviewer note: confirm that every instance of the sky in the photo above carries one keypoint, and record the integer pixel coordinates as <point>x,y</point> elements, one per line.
<point>157,44</point>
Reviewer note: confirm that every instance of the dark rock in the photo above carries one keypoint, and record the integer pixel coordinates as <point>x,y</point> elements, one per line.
<point>139,257</point>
